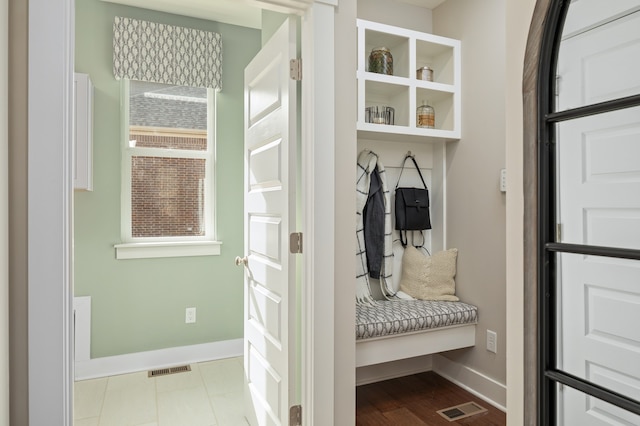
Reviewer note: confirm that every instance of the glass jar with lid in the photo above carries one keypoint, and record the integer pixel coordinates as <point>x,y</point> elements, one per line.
<point>381,61</point>
<point>424,73</point>
<point>425,116</point>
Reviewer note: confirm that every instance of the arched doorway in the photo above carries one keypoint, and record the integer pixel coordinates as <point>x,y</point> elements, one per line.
<point>582,213</point>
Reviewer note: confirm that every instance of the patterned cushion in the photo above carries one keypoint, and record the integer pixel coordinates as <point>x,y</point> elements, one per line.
<point>389,317</point>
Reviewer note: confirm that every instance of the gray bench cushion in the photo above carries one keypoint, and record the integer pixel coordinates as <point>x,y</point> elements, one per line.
<point>388,317</point>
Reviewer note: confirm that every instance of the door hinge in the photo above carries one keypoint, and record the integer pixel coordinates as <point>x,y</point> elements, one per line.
<point>295,415</point>
<point>295,242</point>
<point>295,69</point>
<point>558,232</point>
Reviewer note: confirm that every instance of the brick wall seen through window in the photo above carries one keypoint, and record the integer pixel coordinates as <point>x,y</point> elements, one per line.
<point>167,191</point>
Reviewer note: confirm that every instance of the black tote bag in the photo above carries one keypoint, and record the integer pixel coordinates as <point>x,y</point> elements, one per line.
<point>411,206</point>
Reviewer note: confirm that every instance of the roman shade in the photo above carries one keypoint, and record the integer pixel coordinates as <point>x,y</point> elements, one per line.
<point>148,51</point>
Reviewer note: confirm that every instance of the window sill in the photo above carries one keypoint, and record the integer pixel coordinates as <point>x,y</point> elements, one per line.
<point>167,249</point>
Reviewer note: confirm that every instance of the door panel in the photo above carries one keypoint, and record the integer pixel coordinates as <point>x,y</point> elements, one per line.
<point>594,412</point>
<point>600,306</point>
<point>599,179</point>
<point>261,161</point>
<point>270,311</point>
<point>595,66</point>
<point>598,204</point>
<point>264,232</point>
<point>588,14</point>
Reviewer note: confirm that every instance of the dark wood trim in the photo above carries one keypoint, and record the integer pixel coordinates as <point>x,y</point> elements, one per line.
<point>18,70</point>
<point>530,182</point>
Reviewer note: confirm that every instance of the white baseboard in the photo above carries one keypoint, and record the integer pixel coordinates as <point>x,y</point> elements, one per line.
<point>142,361</point>
<point>391,370</point>
<point>82,328</point>
<point>472,381</point>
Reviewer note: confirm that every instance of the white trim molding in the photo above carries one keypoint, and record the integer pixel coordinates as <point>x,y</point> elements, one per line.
<point>167,249</point>
<point>161,358</point>
<point>82,328</point>
<point>298,7</point>
<point>394,369</point>
<point>49,219</point>
<point>482,386</point>
<point>318,205</point>
<point>128,151</point>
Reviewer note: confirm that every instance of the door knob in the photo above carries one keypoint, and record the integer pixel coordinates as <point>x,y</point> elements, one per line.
<point>242,261</point>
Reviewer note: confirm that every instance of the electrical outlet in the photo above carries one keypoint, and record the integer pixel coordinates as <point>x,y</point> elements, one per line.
<point>190,315</point>
<point>492,341</point>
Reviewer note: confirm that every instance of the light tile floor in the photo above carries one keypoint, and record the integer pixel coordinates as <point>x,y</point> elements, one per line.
<point>211,394</point>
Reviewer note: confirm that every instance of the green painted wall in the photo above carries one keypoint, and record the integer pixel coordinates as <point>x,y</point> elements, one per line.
<point>139,305</point>
<point>271,21</point>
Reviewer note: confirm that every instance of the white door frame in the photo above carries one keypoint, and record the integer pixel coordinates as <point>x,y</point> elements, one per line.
<point>50,209</point>
<point>318,82</point>
<point>51,66</point>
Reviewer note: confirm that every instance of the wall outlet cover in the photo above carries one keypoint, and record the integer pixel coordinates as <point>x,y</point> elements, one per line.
<point>190,315</point>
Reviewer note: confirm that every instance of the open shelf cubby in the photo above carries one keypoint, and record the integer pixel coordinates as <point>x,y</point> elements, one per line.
<point>402,90</point>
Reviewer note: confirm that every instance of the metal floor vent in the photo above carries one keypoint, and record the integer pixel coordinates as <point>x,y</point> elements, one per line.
<point>461,411</point>
<point>171,370</point>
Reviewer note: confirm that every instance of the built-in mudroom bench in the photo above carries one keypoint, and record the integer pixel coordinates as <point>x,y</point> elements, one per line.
<point>424,79</point>
<point>392,330</point>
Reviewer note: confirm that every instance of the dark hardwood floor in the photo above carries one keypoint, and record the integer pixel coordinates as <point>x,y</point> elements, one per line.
<point>415,400</point>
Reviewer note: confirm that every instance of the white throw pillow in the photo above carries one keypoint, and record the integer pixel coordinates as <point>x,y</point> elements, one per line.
<point>429,277</point>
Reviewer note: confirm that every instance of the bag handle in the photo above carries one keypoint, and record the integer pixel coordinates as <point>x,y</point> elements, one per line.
<point>404,239</point>
<point>409,155</point>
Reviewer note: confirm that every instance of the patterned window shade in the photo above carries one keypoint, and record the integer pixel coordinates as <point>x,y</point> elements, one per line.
<point>148,51</point>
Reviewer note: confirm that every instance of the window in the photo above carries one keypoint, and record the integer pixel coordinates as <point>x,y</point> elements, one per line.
<point>167,171</point>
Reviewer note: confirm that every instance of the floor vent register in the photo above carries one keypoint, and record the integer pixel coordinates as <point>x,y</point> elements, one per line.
<point>461,411</point>
<point>170,370</point>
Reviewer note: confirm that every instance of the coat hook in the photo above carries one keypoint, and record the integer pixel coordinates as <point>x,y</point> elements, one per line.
<point>409,154</point>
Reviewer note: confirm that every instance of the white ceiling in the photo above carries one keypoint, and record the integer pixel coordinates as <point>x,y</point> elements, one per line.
<point>236,12</point>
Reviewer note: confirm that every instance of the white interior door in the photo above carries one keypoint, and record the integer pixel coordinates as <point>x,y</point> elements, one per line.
<point>269,213</point>
<point>599,204</point>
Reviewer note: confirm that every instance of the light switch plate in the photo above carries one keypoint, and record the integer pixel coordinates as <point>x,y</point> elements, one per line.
<point>503,180</point>
<point>492,341</point>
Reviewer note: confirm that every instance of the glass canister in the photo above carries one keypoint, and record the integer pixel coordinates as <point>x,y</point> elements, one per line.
<point>424,73</point>
<point>381,61</point>
<point>425,116</point>
<point>379,115</point>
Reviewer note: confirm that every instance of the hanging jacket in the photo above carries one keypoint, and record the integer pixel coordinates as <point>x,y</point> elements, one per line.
<point>368,162</point>
<point>373,221</point>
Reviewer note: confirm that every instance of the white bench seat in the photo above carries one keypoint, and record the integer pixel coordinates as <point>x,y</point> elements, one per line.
<point>391,330</point>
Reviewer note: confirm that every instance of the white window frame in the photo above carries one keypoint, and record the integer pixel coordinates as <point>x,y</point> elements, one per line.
<point>156,247</point>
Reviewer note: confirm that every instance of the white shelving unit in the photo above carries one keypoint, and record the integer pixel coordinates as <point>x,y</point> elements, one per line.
<point>402,90</point>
